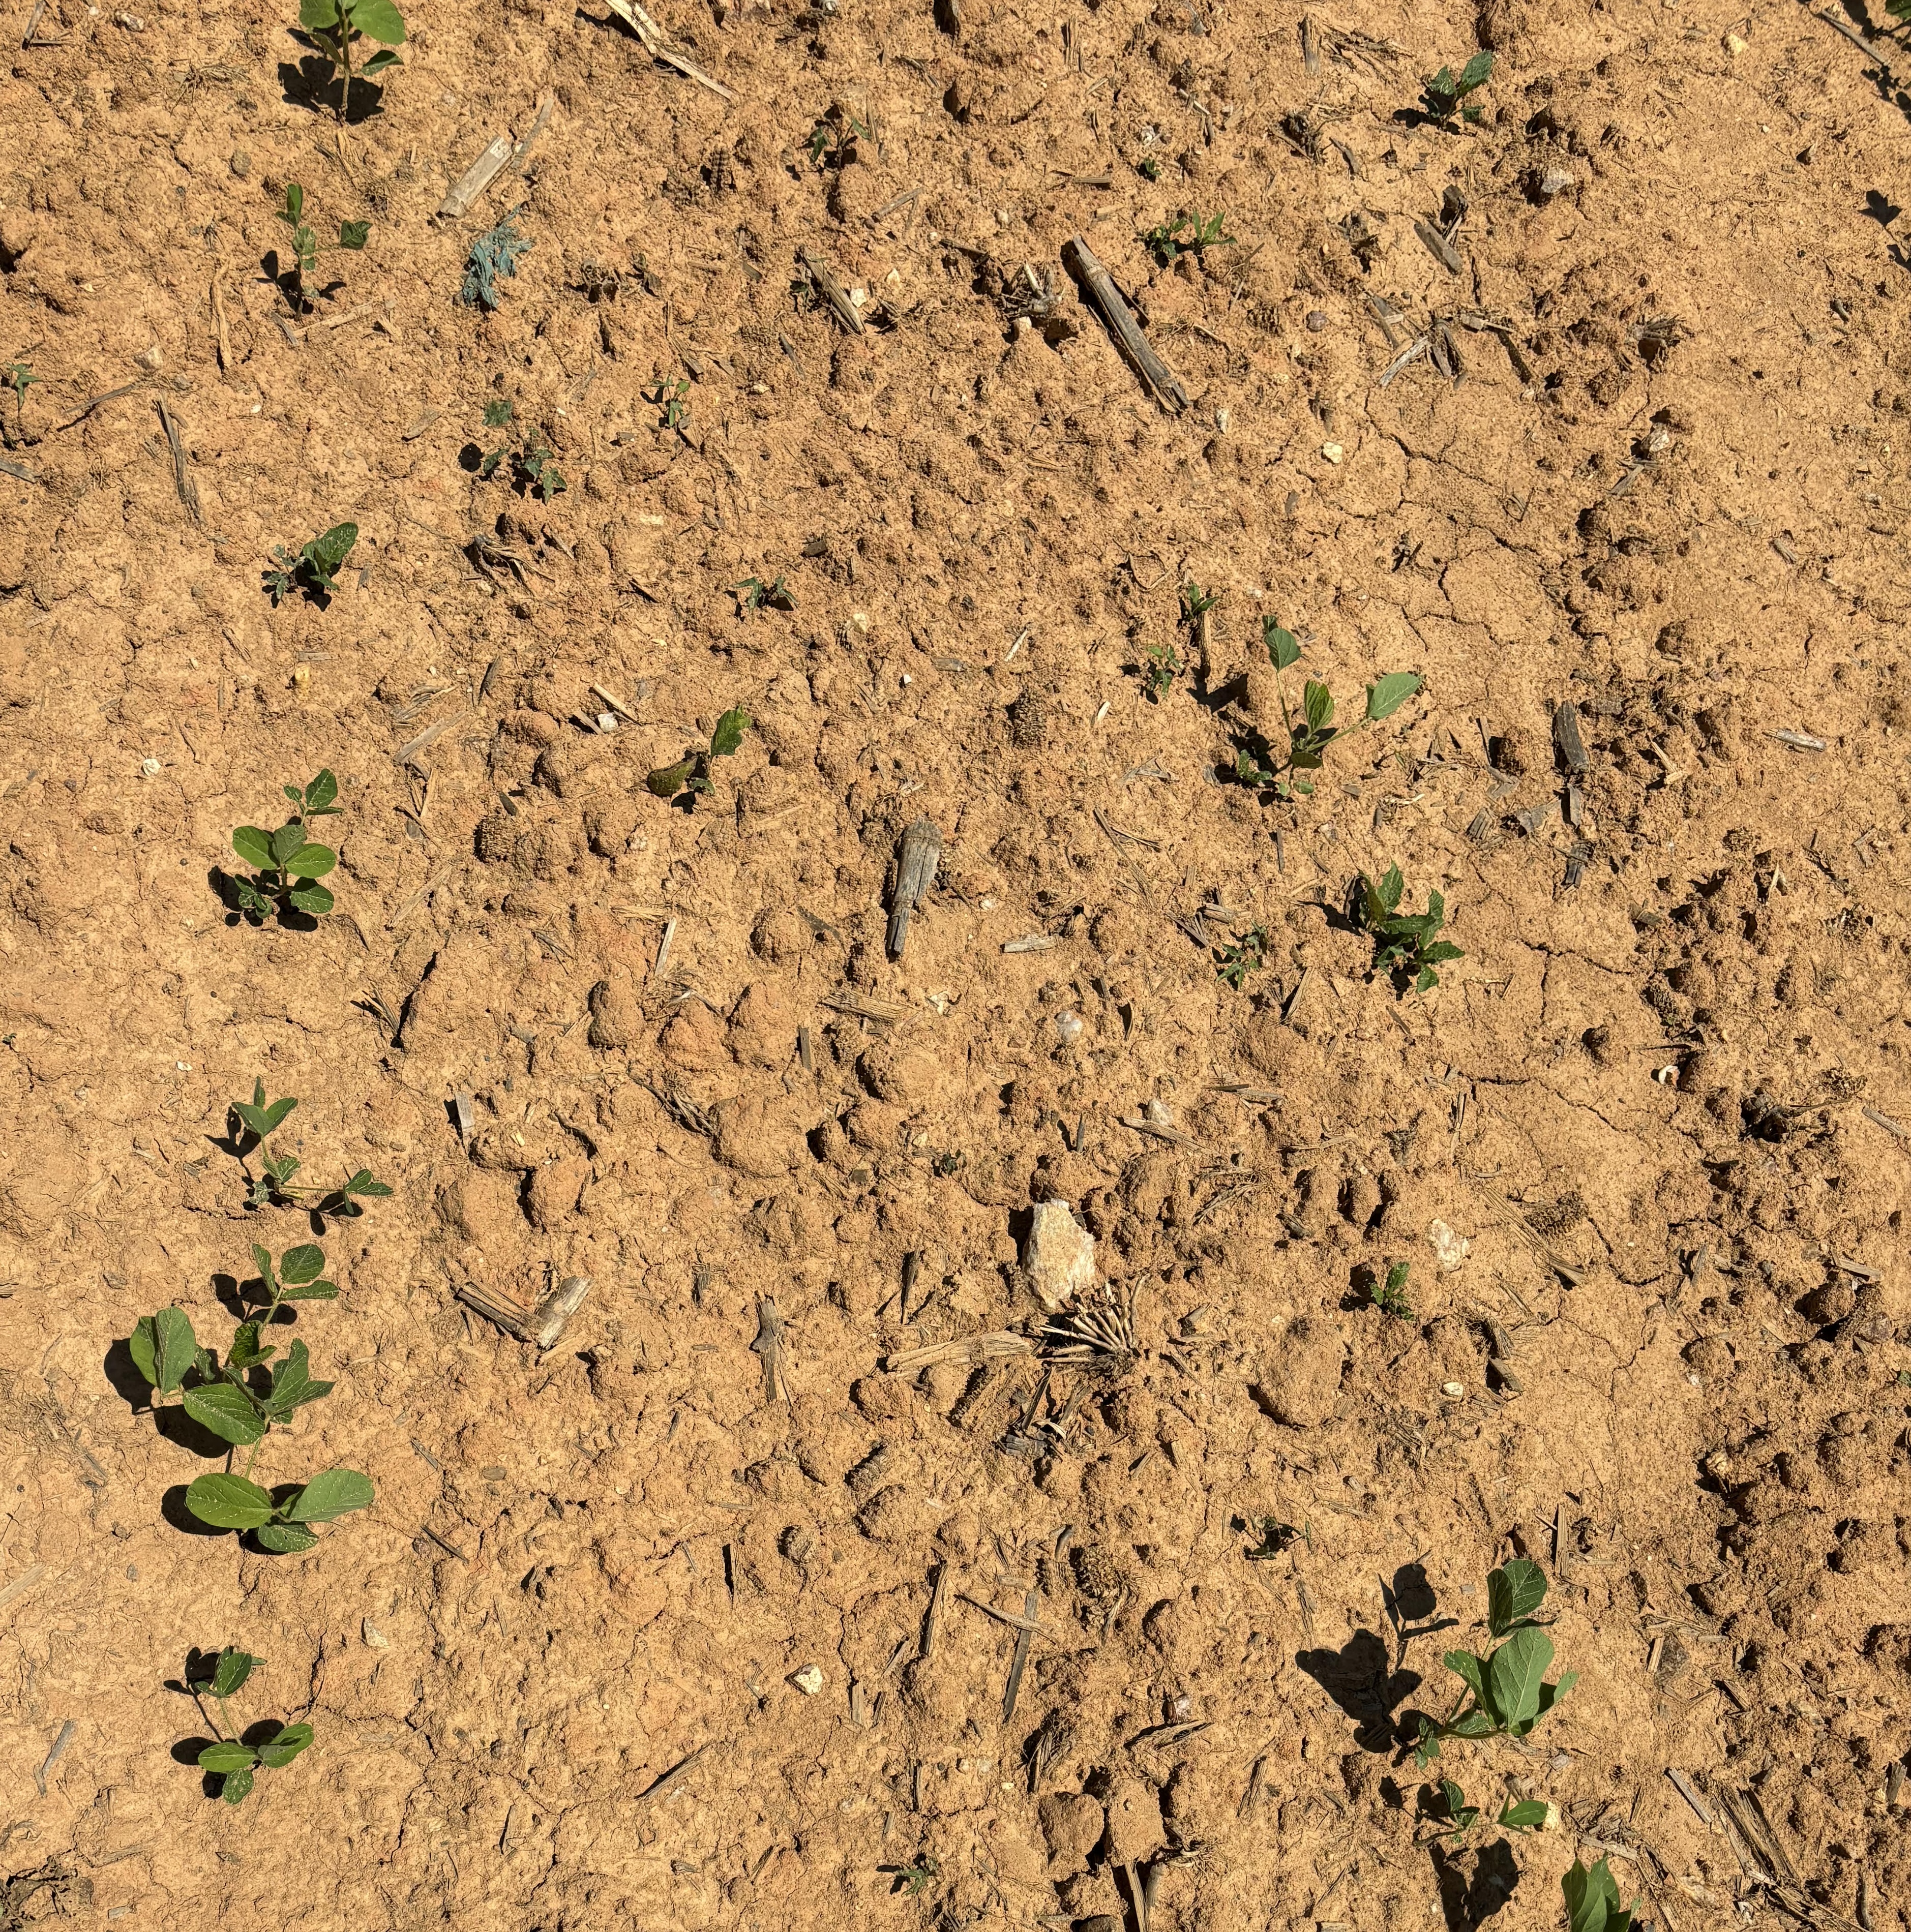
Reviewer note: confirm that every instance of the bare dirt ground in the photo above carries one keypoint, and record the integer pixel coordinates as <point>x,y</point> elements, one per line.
<point>1644,1149</point>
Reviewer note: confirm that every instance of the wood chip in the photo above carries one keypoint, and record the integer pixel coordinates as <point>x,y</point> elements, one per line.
<point>475,179</point>
<point>639,23</point>
<point>1098,286</point>
<point>832,292</point>
<point>1687,1790</point>
<point>665,1785</point>
<point>1799,741</point>
<point>1566,738</point>
<point>1442,250</point>
<point>996,1346</point>
<point>543,1324</point>
<point>917,857</point>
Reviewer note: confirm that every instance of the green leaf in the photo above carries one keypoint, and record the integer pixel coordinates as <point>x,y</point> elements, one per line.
<point>1441,950</point>
<point>1318,705</point>
<point>1467,1668</point>
<point>1283,648</point>
<point>311,861</point>
<point>274,1115</point>
<point>497,413</point>
<point>1592,1899</point>
<point>1528,1815</point>
<point>351,234</point>
<point>1385,695</point>
<point>262,1261</point>
<point>668,780</point>
<point>286,1539</point>
<point>245,1349</point>
<point>318,1290</point>
<point>143,1346</point>
<point>331,550</point>
<point>286,841</point>
<point>335,1493</point>
<point>1514,1591</point>
<point>361,1183</point>
<point>378,20</point>
<point>1474,1724</point>
<point>316,14</point>
<point>231,1670</point>
<point>1513,1674</point>
<point>380,60</point>
<point>310,898</point>
<point>228,1411</point>
<point>1551,1694</point>
<point>293,1385</point>
<point>238,1786</point>
<point>280,1750</point>
<point>227,1757</point>
<point>299,1265</point>
<point>729,732</point>
<point>228,1502</point>
<point>295,203</point>
<point>254,846</point>
<point>177,1348</point>
<point>320,792</point>
<point>1475,72</point>
<point>1425,979</point>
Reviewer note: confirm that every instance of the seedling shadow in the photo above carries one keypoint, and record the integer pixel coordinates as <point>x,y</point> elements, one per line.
<point>313,83</point>
<point>1357,1678</point>
<point>1467,1903</point>
<point>1410,1604</point>
<point>226,887</point>
<point>169,1420</point>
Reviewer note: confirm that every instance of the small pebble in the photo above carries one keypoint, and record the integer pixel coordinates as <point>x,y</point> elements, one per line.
<point>1734,45</point>
<point>241,163</point>
<point>1317,320</point>
<point>1334,452</point>
<point>808,1680</point>
<point>149,768</point>
<point>1068,1026</point>
<point>150,357</point>
<point>1452,1391</point>
<point>375,1636</point>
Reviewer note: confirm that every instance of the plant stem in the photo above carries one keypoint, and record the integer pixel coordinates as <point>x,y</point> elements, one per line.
<point>344,62</point>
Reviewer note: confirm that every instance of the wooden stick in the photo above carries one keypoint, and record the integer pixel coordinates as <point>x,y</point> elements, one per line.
<point>542,1325</point>
<point>833,293</point>
<point>646,30</point>
<point>475,179</point>
<point>219,325</point>
<point>1098,286</point>
<point>915,873</point>
<point>182,479</point>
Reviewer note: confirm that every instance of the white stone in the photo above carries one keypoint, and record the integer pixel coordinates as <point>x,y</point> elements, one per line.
<point>1449,1249</point>
<point>808,1680</point>
<point>1061,1256</point>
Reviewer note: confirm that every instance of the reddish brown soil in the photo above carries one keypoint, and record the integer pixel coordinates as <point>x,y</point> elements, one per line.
<point>1671,1065</point>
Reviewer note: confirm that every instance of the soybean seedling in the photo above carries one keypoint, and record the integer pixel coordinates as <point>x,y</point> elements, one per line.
<point>1247,955</point>
<point>253,1123</point>
<point>306,246</point>
<point>915,1877</point>
<point>1404,944</point>
<point>1312,729</point>
<point>1445,1804</point>
<point>1592,1901</point>
<point>1389,1295</point>
<point>231,1762</point>
<point>691,772</point>
<point>672,400</point>
<point>1505,1695</point>
<point>289,864</point>
<point>335,26</point>
<point>1443,95</point>
<point>1160,672</point>
<point>314,570</point>
<point>242,1400</point>
<point>532,467</point>
<point>19,376</point>
<point>1185,234</point>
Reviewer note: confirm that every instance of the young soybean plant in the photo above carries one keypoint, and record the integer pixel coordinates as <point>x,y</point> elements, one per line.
<point>232,1762</point>
<point>1313,729</point>
<point>289,864</point>
<point>314,569</point>
<point>1446,1804</point>
<point>335,26</point>
<point>1505,1694</point>
<point>1404,944</point>
<point>258,1119</point>
<point>241,1401</point>
<point>306,246</point>
<point>1592,1901</point>
<point>691,772</point>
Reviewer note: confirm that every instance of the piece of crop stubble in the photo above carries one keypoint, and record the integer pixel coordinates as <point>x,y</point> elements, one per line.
<point>543,1325</point>
<point>1098,286</point>
<point>919,855</point>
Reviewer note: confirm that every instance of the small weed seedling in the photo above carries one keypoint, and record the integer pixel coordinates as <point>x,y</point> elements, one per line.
<point>1275,1537</point>
<point>258,1119</point>
<point>1249,954</point>
<point>1404,944</point>
<point>832,140</point>
<point>532,466</point>
<point>672,400</point>
<point>1160,672</point>
<point>914,1878</point>
<point>1149,169</point>
<point>335,25</point>
<point>1505,1696</point>
<point>289,864</point>
<point>1444,94</point>
<point>1446,1804</point>
<point>232,1762</point>
<point>241,1401</point>
<point>1185,234</point>
<point>306,246</point>
<point>19,377</point>
<point>1592,1901</point>
<point>314,570</point>
<point>691,772</point>
<point>753,595</point>
<point>1390,1295</point>
<point>495,253</point>
<point>1313,729</point>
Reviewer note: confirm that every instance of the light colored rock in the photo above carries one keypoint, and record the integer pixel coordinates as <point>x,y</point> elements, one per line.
<point>1450,1249</point>
<point>808,1680</point>
<point>1061,1257</point>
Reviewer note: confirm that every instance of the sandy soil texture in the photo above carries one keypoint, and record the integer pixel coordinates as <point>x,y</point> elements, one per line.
<point>846,1560</point>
